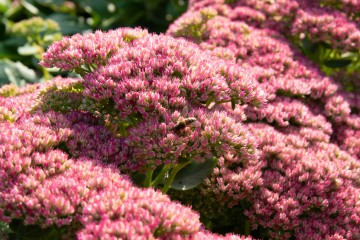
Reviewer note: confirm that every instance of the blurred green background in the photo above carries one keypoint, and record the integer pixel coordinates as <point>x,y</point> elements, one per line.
<point>28,27</point>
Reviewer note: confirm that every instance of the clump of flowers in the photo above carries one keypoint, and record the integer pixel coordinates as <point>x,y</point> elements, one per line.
<point>145,85</point>
<point>328,26</point>
<point>55,189</point>
<point>63,147</point>
<point>309,155</point>
<point>172,115</point>
<point>38,30</point>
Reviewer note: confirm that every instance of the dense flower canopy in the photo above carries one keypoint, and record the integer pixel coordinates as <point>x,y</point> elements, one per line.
<point>306,133</point>
<point>121,115</point>
<point>153,89</point>
<point>52,180</point>
<point>284,137</point>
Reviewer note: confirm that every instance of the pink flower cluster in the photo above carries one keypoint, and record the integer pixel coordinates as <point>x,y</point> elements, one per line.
<point>301,18</point>
<point>58,152</point>
<point>92,51</point>
<point>43,185</point>
<point>310,188</point>
<point>151,80</point>
<point>291,166</point>
<point>327,26</point>
<point>306,132</point>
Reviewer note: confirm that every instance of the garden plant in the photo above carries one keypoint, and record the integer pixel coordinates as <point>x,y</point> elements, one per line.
<point>242,121</point>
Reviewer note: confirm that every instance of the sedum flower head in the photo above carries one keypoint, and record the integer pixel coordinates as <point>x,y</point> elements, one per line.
<point>144,86</point>
<point>88,50</point>
<point>64,164</point>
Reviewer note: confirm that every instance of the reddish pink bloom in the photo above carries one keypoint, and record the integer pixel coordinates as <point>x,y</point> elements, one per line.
<point>309,154</point>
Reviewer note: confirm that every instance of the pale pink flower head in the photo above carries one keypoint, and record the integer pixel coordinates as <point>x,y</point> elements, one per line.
<point>88,50</point>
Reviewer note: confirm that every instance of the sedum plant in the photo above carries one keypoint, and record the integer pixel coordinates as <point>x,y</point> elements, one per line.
<point>247,122</point>
<point>85,137</point>
<point>307,132</point>
<point>141,83</point>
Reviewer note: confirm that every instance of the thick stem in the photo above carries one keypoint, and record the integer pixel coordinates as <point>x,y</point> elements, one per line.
<point>160,176</point>
<point>148,178</point>
<point>174,171</point>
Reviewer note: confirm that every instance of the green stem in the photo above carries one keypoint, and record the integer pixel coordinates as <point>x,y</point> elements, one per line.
<point>46,74</point>
<point>148,178</point>
<point>160,176</point>
<point>221,102</point>
<point>174,171</point>
<point>92,67</point>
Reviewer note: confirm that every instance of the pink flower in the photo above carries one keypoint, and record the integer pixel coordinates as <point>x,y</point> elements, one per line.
<point>306,133</point>
<point>329,26</point>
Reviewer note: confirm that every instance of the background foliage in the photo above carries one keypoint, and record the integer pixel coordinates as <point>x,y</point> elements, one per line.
<point>21,46</point>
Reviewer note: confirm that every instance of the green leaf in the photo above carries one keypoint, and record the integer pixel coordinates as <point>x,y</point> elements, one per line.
<point>98,6</point>
<point>309,47</point>
<point>13,42</point>
<point>193,174</point>
<point>16,72</point>
<point>123,129</point>
<point>4,5</point>
<point>69,24</point>
<point>50,2</point>
<point>31,8</point>
<point>14,12</point>
<point>4,228</point>
<point>306,44</point>
<point>11,77</point>
<point>28,50</point>
<point>209,101</point>
<point>5,52</point>
<point>314,47</point>
<point>337,63</point>
<point>25,72</point>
